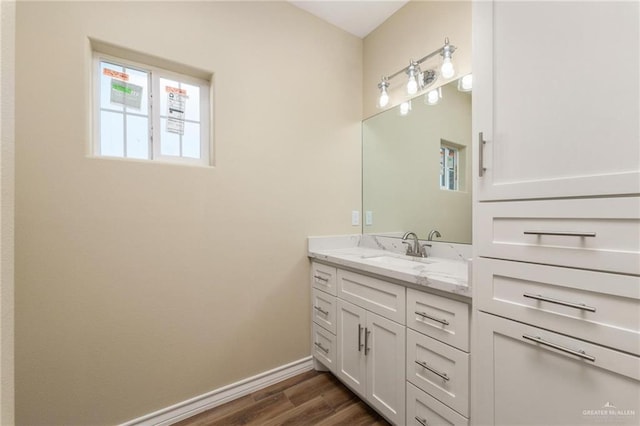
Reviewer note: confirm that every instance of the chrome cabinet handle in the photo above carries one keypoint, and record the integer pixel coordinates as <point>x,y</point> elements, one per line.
<point>425,315</point>
<point>561,233</point>
<point>580,306</point>
<point>323,349</point>
<point>318,277</point>
<point>322,311</point>
<point>422,421</point>
<point>482,142</point>
<point>433,370</point>
<point>366,341</point>
<point>360,338</point>
<point>578,353</point>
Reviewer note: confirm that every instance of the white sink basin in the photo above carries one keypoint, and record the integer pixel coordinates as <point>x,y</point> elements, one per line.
<point>401,262</point>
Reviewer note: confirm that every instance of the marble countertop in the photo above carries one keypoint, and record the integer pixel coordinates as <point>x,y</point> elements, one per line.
<point>444,274</point>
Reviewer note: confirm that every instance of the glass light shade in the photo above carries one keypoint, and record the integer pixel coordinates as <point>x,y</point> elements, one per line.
<point>447,70</point>
<point>432,97</point>
<point>383,100</point>
<point>412,85</point>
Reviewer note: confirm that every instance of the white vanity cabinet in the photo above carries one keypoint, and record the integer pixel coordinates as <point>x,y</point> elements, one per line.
<point>371,347</point>
<point>556,274</point>
<point>405,352</point>
<point>555,95</point>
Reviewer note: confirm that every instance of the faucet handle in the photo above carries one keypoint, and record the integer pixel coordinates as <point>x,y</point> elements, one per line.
<point>409,247</point>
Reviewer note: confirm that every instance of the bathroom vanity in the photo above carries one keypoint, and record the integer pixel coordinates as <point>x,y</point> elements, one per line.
<point>394,328</point>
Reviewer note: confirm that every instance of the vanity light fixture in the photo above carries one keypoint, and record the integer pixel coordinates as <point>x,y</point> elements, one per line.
<point>417,79</point>
<point>465,84</point>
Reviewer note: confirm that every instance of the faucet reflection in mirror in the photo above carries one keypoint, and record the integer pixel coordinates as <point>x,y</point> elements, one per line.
<point>418,80</point>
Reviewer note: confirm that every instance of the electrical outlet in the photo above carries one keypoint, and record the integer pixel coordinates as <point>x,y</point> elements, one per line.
<point>368,218</point>
<point>355,218</point>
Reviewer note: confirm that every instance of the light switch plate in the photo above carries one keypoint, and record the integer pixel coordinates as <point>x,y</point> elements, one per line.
<point>355,217</point>
<point>368,218</point>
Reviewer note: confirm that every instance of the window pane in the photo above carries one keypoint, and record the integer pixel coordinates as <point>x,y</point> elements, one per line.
<point>140,78</point>
<point>169,142</point>
<point>164,94</point>
<point>105,86</point>
<point>192,110</point>
<point>137,137</point>
<point>111,134</point>
<point>191,140</point>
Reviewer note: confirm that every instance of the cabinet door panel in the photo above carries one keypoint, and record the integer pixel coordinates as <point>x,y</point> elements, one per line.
<point>385,367</point>
<point>520,381</point>
<point>542,100</point>
<point>351,357</point>
<point>381,297</point>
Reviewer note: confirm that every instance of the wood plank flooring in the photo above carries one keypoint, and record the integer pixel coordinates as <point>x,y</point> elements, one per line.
<point>311,398</point>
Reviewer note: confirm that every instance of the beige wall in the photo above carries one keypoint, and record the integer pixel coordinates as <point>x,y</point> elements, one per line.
<point>142,285</point>
<point>414,31</point>
<point>7,181</point>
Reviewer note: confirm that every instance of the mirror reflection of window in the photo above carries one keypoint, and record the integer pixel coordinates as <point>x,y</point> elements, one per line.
<point>448,168</point>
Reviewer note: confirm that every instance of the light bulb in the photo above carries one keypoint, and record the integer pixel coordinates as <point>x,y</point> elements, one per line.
<point>412,85</point>
<point>383,100</point>
<point>465,84</point>
<point>447,69</point>
<point>433,97</point>
<point>405,107</point>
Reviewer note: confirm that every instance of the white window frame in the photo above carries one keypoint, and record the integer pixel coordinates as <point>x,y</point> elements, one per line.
<point>155,74</point>
<point>444,175</point>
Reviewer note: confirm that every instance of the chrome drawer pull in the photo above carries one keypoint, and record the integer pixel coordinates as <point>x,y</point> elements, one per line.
<point>433,370</point>
<point>561,233</point>
<point>481,144</point>
<point>425,315</point>
<point>322,311</point>
<point>581,306</point>
<point>318,277</point>
<point>366,341</point>
<point>360,345</point>
<point>319,345</point>
<point>422,421</point>
<point>578,353</point>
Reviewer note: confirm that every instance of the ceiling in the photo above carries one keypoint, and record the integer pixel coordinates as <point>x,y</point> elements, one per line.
<point>358,17</point>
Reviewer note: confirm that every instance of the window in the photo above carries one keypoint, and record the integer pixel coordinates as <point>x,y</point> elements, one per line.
<point>150,113</point>
<point>448,167</point>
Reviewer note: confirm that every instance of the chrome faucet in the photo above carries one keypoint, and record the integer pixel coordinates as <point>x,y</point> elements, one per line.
<point>416,249</point>
<point>432,234</point>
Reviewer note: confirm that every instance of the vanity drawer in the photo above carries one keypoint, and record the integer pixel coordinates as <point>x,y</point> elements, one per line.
<point>439,369</point>
<point>324,347</point>
<point>444,319</point>
<point>423,409</point>
<point>595,306</point>
<point>324,309</point>
<point>381,297</point>
<point>599,234</point>
<point>323,277</point>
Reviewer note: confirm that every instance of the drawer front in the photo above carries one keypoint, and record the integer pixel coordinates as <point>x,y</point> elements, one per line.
<point>423,410</point>
<point>444,319</point>
<point>381,297</point>
<point>439,369</point>
<point>595,306</point>
<point>323,277</point>
<point>324,310</point>
<point>598,234</point>
<point>324,347</point>
<point>553,379</point>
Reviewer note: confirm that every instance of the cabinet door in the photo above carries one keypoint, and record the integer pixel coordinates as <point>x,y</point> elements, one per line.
<point>385,353</point>
<point>351,354</point>
<point>528,375</point>
<point>556,96</point>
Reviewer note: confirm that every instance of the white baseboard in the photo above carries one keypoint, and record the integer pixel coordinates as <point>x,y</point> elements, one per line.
<point>193,406</point>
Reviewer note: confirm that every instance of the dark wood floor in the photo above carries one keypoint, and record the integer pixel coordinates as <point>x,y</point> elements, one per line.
<point>311,398</point>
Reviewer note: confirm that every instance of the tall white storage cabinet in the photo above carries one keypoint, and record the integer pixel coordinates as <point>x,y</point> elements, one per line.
<point>557,213</point>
